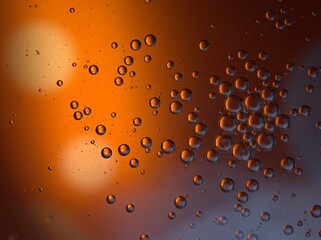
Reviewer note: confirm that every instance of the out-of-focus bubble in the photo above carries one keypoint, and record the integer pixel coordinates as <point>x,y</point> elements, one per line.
<point>250,66</point>
<point>313,72</point>
<point>265,216</point>
<point>130,208</point>
<point>242,54</point>
<point>204,45</point>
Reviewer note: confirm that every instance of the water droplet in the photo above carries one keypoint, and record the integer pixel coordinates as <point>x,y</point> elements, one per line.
<point>123,149</point>
<point>227,185</point>
<point>187,156</point>
<point>198,180</point>
<point>180,202</point>
<point>93,69</point>
<point>135,45</point>
<point>168,146</point>
<point>110,199</point>
<point>150,40</point>
<point>204,45</point>
<point>106,152</point>
<point>100,129</point>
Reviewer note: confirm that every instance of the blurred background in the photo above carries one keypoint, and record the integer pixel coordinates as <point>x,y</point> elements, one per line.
<point>159,119</point>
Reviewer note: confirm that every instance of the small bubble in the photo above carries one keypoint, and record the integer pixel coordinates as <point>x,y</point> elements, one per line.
<point>252,236</point>
<point>74,104</point>
<point>245,212</point>
<point>239,234</point>
<point>178,77</point>
<point>195,74</point>
<point>309,88</point>
<point>242,54</point>
<point>137,121</point>
<point>147,58</point>
<point>222,220</point>
<point>146,142</point>
<point>50,168</point>
<point>78,115</point>
<point>242,197</point>
<point>241,84</point>
<point>287,164</point>
<point>100,129</point>
<point>288,230</point>
<point>250,66</point>
<point>135,45</point>
<point>230,70</point>
<point>223,142</point>
<point>145,236</point>
<point>176,107</point>
<point>215,80</point>
<point>270,14</point>
<point>198,180</point>
<point>241,151</point>
<point>110,199</point>
<point>252,185</point>
<point>233,104</point>
<point>186,95</point>
<point>133,163</point>
<point>106,152</point>
<point>129,60</point>
<point>268,173</point>
<point>227,185</point>
<point>171,215</point>
<point>168,146</point>
<point>263,55</point>
<point>254,165</point>
<point>150,40</point>
<point>200,129</point>
<point>194,142</point>
<point>122,70</point>
<point>113,114</point>
<point>72,10</point>
<point>315,211</point>
<point>93,69</point>
<point>154,102</point>
<point>313,72</point>
<point>212,156</point>
<point>87,111</point>
<point>204,45</point>
<point>187,156</point>
<point>60,83</point>
<point>226,88</point>
<point>118,81</point>
<point>265,216</point>
<point>304,110</point>
<point>318,125</point>
<point>192,117</point>
<point>114,45</point>
<point>123,150</point>
<point>130,208</point>
<point>180,202</point>
<point>170,64</point>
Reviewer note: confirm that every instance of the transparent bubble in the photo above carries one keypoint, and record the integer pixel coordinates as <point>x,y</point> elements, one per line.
<point>316,211</point>
<point>250,66</point>
<point>145,236</point>
<point>174,94</point>
<point>147,58</point>
<point>198,180</point>
<point>168,146</point>
<point>245,212</point>
<point>298,171</point>
<point>318,125</point>
<point>60,83</point>
<point>313,72</point>
<point>194,142</point>
<point>241,151</point>
<point>226,88</point>
<point>222,220</point>
<point>254,165</point>
<point>242,54</point>
<point>150,40</point>
<point>228,123</point>
<point>265,216</point>
<point>263,74</point>
<point>242,197</point>
<point>233,104</point>
<point>204,45</point>
<point>201,129</point>
<point>268,94</point>
<point>176,107</point>
<point>93,69</point>
<point>265,141</point>
<point>270,14</point>
<point>130,208</point>
<point>263,55</point>
<point>110,199</point>
<point>135,45</point>
<point>186,95</point>
<point>215,80</point>
<point>287,164</point>
<point>290,66</point>
<point>114,45</point>
<point>282,121</point>
<point>146,142</point>
<point>280,25</point>
<point>134,162</point>
<point>137,121</point>
<point>106,152</point>
<point>253,102</point>
<point>192,117</point>
<point>180,202</point>
<point>223,142</point>
<point>252,185</point>
<point>129,60</point>
<point>309,88</point>
<point>122,70</point>
<point>304,110</point>
<point>288,230</point>
<point>171,215</point>
<point>241,84</point>
<point>239,234</point>
<point>154,102</point>
<point>195,74</point>
<point>78,115</point>
<point>252,236</point>
<point>187,156</point>
<point>212,156</point>
<point>271,110</point>
<point>256,121</point>
<point>198,213</point>
<point>230,70</point>
<point>227,185</point>
<point>119,81</point>
<point>170,64</point>
<point>123,150</point>
<point>237,207</point>
<point>72,10</point>
<point>100,129</point>
<point>178,77</point>
<point>74,104</point>
<point>87,111</point>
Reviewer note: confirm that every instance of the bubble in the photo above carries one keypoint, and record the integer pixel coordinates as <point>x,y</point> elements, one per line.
<point>226,88</point>
<point>245,212</point>
<point>133,163</point>
<point>239,234</point>
<point>316,211</point>
<point>204,45</point>
<point>171,215</point>
<point>287,164</point>
<point>252,185</point>
<point>60,83</point>
<point>212,156</point>
<point>222,220</point>
<point>119,81</point>
<point>233,104</point>
<point>241,83</point>
<point>72,10</point>
<point>150,40</point>
<point>282,121</point>
<point>223,142</point>
<point>228,123</point>
<point>195,74</point>
<point>280,25</point>
<point>237,207</point>
<point>290,66</point>
<point>135,45</point>
<point>263,74</point>
<point>241,151</point>
<point>154,102</point>
<point>263,55</point>
<point>106,152</point>
<point>93,69</point>
<point>201,129</point>
<point>170,64</point>
<point>212,95</point>
<point>250,66</point>
<point>176,107</point>
<point>145,236</point>
<point>100,129</point>
<point>123,149</point>
<point>309,88</point>
<point>174,94</point>
<point>313,72</point>
<point>288,230</point>
<point>178,77</point>
<point>270,14</point>
<point>130,208</point>
<point>129,60</point>
<point>256,121</point>
<point>74,104</point>
<point>146,142</point>
<point>114,45</point>
<point>137,121</point>
<point>180,202</point>
<point>168,146</point>
<point>198,180</point>
<point>254,165</point>
<point>298,171</point>
<point>87,111</point>
<point>122,70</point>
<point>110,199</point>
<point>265,216</point>
<point>187,156</point>
<point>265,141</point>
<point>242,54</point>
<point>186,95</point>
<point>194,142</point>
<point>78,115</point>
<point>318,125</point>
<point>230,70</point>
<point>147,58</point>
<point>227,185</point>
<point>215,80</point>
<point>304,110</point>
<point>192,117</point>
<point>252,103</point>
<point>252,236</point>
<point>242,197</point>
